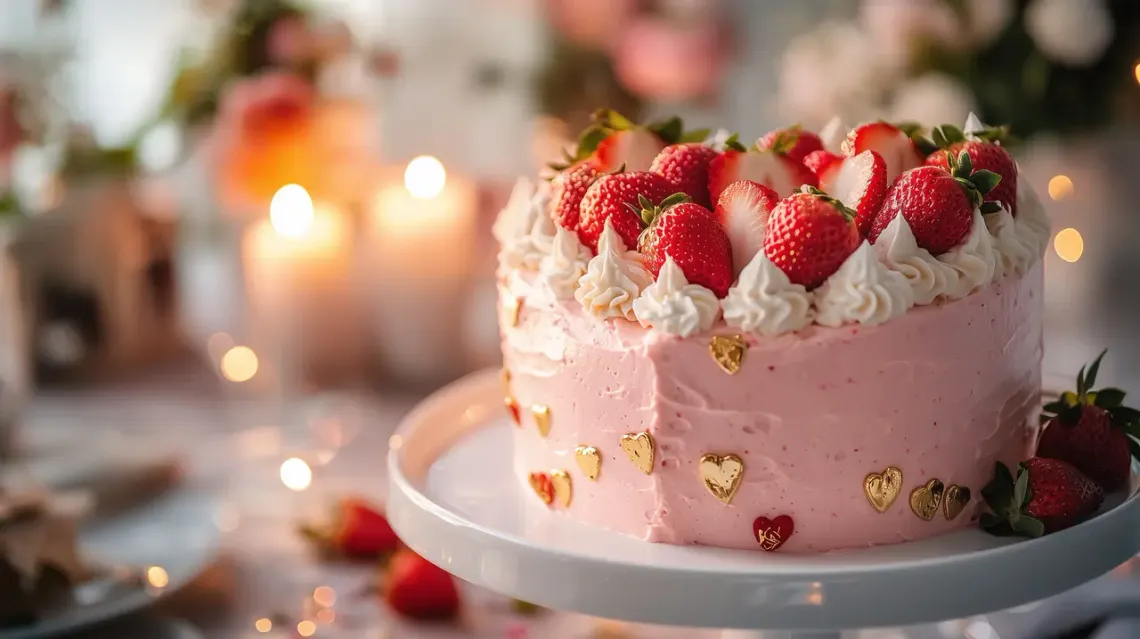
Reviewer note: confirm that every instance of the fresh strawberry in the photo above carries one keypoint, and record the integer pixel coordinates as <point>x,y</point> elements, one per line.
<point>1092,430</point>
<point>418,589</point>
<point>1048,495</point>
<point>690,234</point>
<point>687,166</point>
<point>743,210</point>
<point>891,142</point>
<point>860,182</point>
<point>793,141</point>
<point>362,531</point>
<point>616,197</point>
<point>809,236</point>
<point>939,206</point>
<point>566,192</point>
<point>820,162</point>
<point>614,141</point>
<point>774,170</point>
<point>985,152</point>
<point>357,530</point>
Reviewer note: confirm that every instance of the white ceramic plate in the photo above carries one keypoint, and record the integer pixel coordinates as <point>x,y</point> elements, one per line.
<point>176,532</point>
<point>454,499</point>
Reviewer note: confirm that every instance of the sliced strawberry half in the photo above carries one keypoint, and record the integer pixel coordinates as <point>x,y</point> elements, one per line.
<point>634,149</point>
<point>859,182</point>
<point>614,141</point>
<point>820,162</point>
<point>892,143</point>
<point>774,170</point>
<point>743,209</point>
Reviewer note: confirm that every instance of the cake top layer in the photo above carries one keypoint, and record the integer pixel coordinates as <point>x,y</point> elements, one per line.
<point>676,229</point>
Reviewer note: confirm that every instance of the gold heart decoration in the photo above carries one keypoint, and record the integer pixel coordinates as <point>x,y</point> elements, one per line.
<point>955,500</point>
<point>640,449</point>
<point>512,306</point>
<point>541,416</point>
<point>589,460</point>
<point>721,474</point>
<point>563,487</point>
<point>542,486</point>
<point>926,499</point>
<point>728,352</point>
<point>505,381</point>
<point>882,488</point>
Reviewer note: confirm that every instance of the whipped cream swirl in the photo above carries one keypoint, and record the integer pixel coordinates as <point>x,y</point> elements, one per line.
<point>565,264</point>
<point>863,290</point>
<point>534,237</point>
<point>899,250</point>
<point>1015,252</point>
<point>974,260</point>
<point>673,305</point>
<point>511,222</point>
<point>765,301</point>
<point>1032,224</point>
<point>614,278</point>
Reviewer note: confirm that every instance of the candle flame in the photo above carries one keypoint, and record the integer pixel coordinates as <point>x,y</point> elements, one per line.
<point>425,177</point>
<point>291,211</point>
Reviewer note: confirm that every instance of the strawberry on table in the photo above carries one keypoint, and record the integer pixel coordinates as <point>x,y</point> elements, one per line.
<point>418,589</point>
<point>1092,430</point>
<point>690,234</point>
<point>357,530</point>
<point>938,205</point>
<point>743,210</point>
<point>770,168</point>
<point>892,142</point>
<point>985,152</point>
<point>1048,495</point>
<point>687,166</point>
<point>793,141</point>
<point>860,182</point>
<point>617,197</point>
<point>809,236</point>
<point>566,192</point>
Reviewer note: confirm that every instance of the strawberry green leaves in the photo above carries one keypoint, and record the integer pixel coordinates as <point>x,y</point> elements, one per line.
<point>975,183</point>
<point>1067,408</point>
<point>1007,499</point>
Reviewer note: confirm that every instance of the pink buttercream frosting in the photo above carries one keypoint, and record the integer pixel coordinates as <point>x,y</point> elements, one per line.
<point>941,392</point>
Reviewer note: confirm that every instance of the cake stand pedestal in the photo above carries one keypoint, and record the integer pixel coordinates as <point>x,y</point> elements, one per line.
<point>454,499</point>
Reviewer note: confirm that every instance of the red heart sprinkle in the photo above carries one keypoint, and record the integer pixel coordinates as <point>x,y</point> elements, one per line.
<point>772,533</point>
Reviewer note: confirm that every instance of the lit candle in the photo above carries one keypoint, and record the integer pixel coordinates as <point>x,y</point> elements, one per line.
<point>422,239</point>
<point>298,273</point>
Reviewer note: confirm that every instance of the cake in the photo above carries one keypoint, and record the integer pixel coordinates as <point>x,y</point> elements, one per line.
<point>39,556</point>
<point>826,342</point>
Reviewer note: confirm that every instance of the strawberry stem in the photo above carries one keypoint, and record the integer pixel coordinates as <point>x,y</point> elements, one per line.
<point>847,212</point>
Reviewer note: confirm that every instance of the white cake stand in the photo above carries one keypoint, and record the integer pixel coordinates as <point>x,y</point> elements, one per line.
<point>453,498</point>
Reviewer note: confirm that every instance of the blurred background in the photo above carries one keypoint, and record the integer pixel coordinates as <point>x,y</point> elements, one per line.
<point>241,238</point>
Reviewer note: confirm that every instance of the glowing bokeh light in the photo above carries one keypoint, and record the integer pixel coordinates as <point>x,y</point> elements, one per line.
<point>291,211</point>
<point>1060,187</point>
<point>156,576</point>
<point>1069,244</point>
<point>263,625</point>
<point>296,474</point>
<point>324,596</point>
<point>425,177</point>
<point>239,364</point>
<point>306,628</point>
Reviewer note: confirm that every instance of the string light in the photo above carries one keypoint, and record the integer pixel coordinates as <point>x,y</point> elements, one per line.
<point>239,364</point>
<point>296,474</point>
<point>1069,244</point>
<point>1060,187</point>
<point>425,177</point>
<point>157,577</point>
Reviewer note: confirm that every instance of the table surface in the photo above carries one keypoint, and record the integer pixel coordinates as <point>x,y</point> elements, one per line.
<point>235,443</point>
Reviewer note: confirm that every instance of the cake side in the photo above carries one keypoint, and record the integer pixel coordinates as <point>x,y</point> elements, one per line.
<point>940,393</point>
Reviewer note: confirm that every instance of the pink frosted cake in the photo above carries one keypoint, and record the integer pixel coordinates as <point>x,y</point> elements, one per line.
<point>828,345</point>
